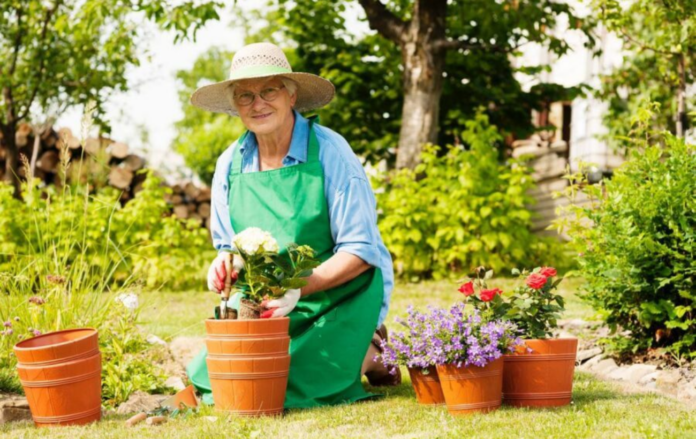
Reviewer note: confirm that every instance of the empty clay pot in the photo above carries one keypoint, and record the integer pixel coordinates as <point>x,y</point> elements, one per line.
<point>248,364</point>
<point>427,386</point>
<point>542,378</point>
<point>470,389</point>
<point>61,375</point>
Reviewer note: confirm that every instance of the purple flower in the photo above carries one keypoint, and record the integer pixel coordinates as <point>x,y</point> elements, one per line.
<point>7,324</point>
<point>36,332</point>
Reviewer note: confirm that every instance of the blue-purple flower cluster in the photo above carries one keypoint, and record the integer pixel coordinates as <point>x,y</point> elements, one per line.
<point>448,337</point>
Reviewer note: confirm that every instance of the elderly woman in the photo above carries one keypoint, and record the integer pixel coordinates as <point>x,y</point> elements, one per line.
<point>301,182</point>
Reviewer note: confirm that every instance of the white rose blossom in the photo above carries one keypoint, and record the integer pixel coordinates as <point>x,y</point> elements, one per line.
<point>254,240</point>
<point>129,300</point>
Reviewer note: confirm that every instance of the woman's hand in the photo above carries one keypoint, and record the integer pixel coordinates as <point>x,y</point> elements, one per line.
<point>219,268</point>
<point>282,306</point>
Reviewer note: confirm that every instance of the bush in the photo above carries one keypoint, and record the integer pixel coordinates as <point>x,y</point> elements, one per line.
<point>460,210</point>
<point>64,253</point>
<point>636,244</point>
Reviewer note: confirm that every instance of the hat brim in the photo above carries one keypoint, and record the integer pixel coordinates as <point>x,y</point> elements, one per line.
<point>312,92</point>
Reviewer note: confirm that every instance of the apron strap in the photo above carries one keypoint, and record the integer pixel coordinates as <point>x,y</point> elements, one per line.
<point>313,146</point>
<point>237,158</point>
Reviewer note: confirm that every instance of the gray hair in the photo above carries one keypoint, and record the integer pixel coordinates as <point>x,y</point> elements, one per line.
<point>289,84</point>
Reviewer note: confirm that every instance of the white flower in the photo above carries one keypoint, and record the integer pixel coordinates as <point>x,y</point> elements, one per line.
<point>129,300</point>
<point>254,240</point>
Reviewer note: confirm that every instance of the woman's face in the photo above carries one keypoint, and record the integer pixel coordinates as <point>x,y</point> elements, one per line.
<point>262,117</point>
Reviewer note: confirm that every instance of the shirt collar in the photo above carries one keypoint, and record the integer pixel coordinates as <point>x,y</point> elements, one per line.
<point>298,144</point>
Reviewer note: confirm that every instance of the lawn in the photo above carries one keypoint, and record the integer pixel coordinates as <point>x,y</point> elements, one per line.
<point>598,410</point>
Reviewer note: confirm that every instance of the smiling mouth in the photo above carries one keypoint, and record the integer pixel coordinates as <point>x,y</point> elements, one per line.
<point>261,116</point>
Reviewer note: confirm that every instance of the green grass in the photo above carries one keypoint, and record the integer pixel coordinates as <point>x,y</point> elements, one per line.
<point>599,409</point>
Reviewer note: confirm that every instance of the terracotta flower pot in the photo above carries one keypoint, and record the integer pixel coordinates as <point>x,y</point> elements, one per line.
<point>248,364</point>
<point>542,378</point>
<point>472,389</point>
<point>427,386</point>
<point>61,375</point>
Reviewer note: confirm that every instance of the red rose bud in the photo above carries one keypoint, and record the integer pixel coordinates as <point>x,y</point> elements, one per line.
<point>536,281</point>
<point>548,271</point>
<point>467,289</point>
<point>488,295</point>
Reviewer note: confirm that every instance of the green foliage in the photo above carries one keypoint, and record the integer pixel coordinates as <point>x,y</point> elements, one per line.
<point>63,251</point>
<point>126,353</point>
<point>368,70</point>
<point>532,306</point>
<point>267,273</point>
<point>63,53</point>
<point>460,210</point>
<point>636,241</point>
<point>203,135</point>
<point>96,242</point>
<point>656,37</point>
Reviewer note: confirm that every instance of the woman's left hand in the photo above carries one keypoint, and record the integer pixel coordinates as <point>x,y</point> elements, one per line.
<point>282,306</point>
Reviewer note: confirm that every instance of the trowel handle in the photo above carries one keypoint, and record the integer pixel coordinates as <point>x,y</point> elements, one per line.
<point>228,277</point>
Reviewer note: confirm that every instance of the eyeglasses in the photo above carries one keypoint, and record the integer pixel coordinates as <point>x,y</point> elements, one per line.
<point>247,98</point>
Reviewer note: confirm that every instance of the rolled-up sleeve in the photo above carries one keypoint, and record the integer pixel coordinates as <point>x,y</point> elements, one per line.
<point>353,218</point>
<point>220,225</point>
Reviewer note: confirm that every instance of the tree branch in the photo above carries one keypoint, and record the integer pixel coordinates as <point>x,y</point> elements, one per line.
<point>450,44</point>
<point>42,59</point>
<point>17,43</point>
<point>383,21</point>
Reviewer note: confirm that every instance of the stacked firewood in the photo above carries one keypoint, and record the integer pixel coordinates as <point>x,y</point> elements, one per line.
<point>98,162</point>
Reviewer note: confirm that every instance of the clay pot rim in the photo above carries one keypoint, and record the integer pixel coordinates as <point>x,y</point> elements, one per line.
<point>211,319</point>
<point>550,338</point>
<point>18,347</point>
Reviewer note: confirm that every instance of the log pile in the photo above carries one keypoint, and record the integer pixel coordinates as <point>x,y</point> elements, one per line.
<point>99,162</point>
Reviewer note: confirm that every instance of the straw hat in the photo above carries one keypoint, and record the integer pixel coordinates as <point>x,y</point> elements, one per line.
<point>264,60</point>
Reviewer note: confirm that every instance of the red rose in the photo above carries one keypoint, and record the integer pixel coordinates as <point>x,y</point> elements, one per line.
<point>548,271</point>
<point>467,289</point>
<point>488,295</point>
<point>536,281</point>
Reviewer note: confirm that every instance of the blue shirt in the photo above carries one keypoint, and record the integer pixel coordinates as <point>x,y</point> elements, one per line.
<point>351,202</point>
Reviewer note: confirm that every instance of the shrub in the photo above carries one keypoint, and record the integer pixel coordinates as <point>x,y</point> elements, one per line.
<point>63,255</point>
<point>636,244</point>
<point>460,210</point>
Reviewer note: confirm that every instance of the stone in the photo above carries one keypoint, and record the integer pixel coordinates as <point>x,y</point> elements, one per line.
<point>587,354</point>
<point>667,381</point>
<point>14,408</point>
<point>153,339</point>
<point>140,401</point>
<point>632,373</point>
<point>621,373</point>
<point>687,390</point>
<point>183,349</point>
<point>649,378</point>
<point>175,383</point>
<point>605,366</point>
<point>591,364</point>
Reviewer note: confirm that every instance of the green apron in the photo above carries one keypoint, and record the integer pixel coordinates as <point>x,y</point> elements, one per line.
<point>330,330</point>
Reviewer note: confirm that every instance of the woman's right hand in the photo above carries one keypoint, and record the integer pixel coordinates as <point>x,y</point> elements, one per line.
<point>218,270</point>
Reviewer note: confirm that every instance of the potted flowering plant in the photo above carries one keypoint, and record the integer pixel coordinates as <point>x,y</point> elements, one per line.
<point>542,374</point>
<point>467,351</point>
<point>248,358</point>
<point>412,349</point>
<point>266,273</point>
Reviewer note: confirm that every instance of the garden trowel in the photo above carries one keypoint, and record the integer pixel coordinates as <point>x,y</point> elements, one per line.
<point>225,295</point>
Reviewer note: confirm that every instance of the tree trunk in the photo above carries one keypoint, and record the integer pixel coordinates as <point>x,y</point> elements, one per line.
<point>11,158</point>
<point>423,68</point>
<point>424,63</point>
